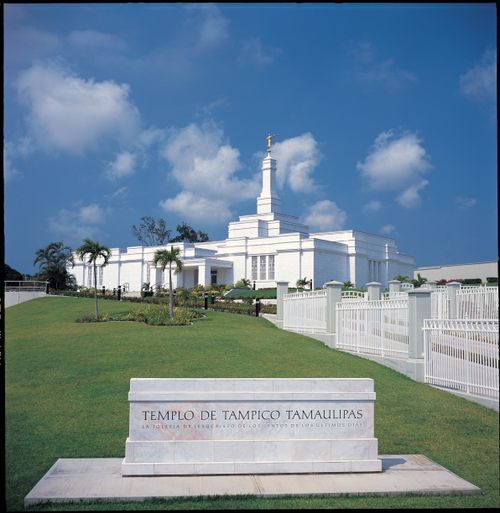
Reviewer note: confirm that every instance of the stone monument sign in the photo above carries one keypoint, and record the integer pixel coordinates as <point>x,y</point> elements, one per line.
<point>250,426</point>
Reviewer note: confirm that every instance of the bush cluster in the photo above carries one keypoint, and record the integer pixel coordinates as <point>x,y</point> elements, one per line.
<point>156,315</point>
<point>91,318</point>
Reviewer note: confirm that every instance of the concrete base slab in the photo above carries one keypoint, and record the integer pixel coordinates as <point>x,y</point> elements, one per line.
<point>99,479</point>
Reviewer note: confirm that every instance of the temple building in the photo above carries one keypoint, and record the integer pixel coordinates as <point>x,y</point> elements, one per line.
<point>264,247</point>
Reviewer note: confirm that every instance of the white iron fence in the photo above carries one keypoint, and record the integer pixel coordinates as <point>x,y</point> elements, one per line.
<point>440,304</point>
<point>305,311</point>
<point>477,303</point>
<point>462,354</point>
<point>353,295</point>
<point>374,327</point>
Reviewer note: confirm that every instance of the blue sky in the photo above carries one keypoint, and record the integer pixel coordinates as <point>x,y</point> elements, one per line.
<point>385,115</point>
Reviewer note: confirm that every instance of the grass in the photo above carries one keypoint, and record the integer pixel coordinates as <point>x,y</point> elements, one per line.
<point>67,385</point>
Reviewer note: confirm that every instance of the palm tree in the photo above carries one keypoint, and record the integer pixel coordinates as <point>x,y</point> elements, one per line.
<point>419,281</point>
<point>95,252</point>
<point>165,258</point>
<point>301,283</point>
<point>401,278</point>
<point>53,261</point>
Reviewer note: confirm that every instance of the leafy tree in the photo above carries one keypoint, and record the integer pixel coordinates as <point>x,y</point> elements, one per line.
<point>419,281</point>
<point>11,274</point>
<point>189,234</point>
<point>53,261</point>
<point>94,251</point>
<point>165,258</point>
<point>302,283</point>
<point>401,278</point>
<point>152,232</point>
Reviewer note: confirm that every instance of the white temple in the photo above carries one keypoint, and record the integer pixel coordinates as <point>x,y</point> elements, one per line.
<point>265,247</point>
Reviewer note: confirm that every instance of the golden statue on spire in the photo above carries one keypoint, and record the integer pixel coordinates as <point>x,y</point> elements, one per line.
<point>269,142</point>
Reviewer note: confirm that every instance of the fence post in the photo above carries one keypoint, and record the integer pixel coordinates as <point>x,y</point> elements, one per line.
<point>281,290</point>
<point>419,308</point>
<point>394,286</point>
<point>333,296</point>
<point>373,290</point>
<point>453,287</point>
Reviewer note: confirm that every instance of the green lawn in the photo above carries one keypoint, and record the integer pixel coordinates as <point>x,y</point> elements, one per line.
<point>67,385</point>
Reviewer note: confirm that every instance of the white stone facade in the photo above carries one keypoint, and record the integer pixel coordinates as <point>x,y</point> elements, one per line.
<point>265,247</point>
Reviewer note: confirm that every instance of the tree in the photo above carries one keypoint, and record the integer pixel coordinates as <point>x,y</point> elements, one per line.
<point>94,251</point>
<point>53,261</point>
<point>348,284</point>
<point>12,274</point>
<point>165,258</point>
<point>244,283</point>
<point>401,278</point>
<point>302,283</point>
<point>419,281</point>
<point>189,234</point>
<point>152,232</point>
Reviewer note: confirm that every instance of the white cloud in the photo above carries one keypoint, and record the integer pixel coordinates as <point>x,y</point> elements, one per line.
<point>362,51</point>
<point>296,159</point>
<point>373,206</point>
<point>480,82</point>
<point>94,40</point>
<point>92,213</point>
<point>73,226</point>
<point>197,208</point>
<point>120,193</point>
<point>123,165</point>
<point>397,163</point>
<point>410,198</point>
<point>9,171</point>
<point>325,215</point>
<point>24,44</point>
<point>205,166</point>
<point>465,203</point>
<point>213,29</point>
<point>387,229</point>
<point>73,114</point>
<point>13,150</point>
<point>385,74</point>
<point>253,53</point>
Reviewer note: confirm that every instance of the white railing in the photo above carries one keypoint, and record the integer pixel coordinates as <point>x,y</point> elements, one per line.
<point>395,295</point>
<point>20,291</point>
<point>373,327</point>
<point>407,286</point>
<point>462,354</point>
<point>477,303</point>
<point>305,311</point>
<point>353,295</point>
<point>25,286</point>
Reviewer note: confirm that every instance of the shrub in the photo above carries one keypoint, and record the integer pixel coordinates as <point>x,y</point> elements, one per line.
<point>471,281</point>
<point>91,318</point>
<point>156,315</point>
<point>244,283</point>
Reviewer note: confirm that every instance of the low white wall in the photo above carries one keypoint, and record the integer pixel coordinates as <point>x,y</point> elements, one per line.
<point>459,272</point>
<point>15,297</point>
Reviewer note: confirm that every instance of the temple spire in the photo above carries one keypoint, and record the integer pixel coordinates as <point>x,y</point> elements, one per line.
<point>268,201</point>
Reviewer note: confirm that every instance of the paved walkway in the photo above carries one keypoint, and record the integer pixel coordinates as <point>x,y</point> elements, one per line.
<point>71,480</point>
